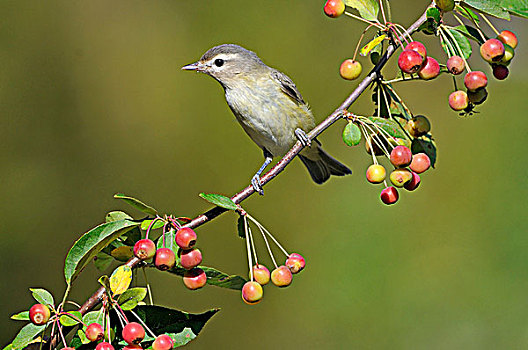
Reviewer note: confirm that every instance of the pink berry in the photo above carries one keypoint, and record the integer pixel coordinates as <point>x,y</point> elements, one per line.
<point>492,50</point>
<point>252,292</point>
<point>418,47</point>
<point>281,276</point>
<point>414,183</point>
<point>400,156</point>
<point>162,342</point>
<point>39,314</point>
<point>190,258</point>
<point>94,332</point>
<point>376,173</point>
<point>261,274</point>
<point>350,69</point>
<point>399,177</point>
<point>165,259</point>
<point>420,163</point>
<point>430,70</point>
<point>455,65</point>
<point>295,263</point>
<point>458,100</point>
<point>144,249</point>
<point>334,8</point>
<point>195,278</point>
<point>475,80</point>
<point>133,333</point>
<point>389,195</point>
<point>507,37</point>
<point>104,346</point>
<point>410,61</point>
<point>186,238</point>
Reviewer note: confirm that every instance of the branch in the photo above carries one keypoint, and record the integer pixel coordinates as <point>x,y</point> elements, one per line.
<point>96,298</point>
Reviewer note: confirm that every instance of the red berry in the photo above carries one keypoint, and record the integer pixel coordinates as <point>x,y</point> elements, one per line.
<point>475,80</point>
<point>350,69</point>
<point>507,37</point>
<point>190,258</point>
<point>165,259</point>
<point>420,163</point>
<point>133,333</point>
<point>400,156</point>
<point>389,195</point>
<point>281,276</point>
<point>430,70</point>
<point>492,50</point>
<point>458,100</point>
<point>410,61</point>
<point>295,263</point>
<point>252,292</point>
<point>334,8</point>
<point>39,314</point>
<point>162,342</point>
<point>132,347</point>
<point>144,249</point>
<point>376,174</point>
<point>414,183</point>
<point>455,65</point>
<point>104,346</point>
<point>68,348</point>
<point>195,278</point>
<point>186,238</point>
<point>261,274</point>
<point>500,72</point>
<point>94,332</point>
<point>418,47</point>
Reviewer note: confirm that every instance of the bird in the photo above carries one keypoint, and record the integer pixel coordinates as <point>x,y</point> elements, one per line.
<point>269,107</point>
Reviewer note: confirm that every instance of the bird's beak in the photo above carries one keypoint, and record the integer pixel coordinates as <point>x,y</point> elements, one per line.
<point>196,66</point>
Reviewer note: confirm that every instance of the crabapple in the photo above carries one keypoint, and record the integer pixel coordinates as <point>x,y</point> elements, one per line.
<point>414,183</point>
<point>104,346</point>
<point>500,72</point>
<point>252,292</point>
<point>350,69</point>
<point>295,263</point>
<point>400,156</point>
<point>420,163</point>
<point>334,8</point>
<point>261,274</point>
<point>195,278</point>
<point>376,173</point>
<point>281,276</point>
<point>475,80</point>
<point>418,126</point>
<point>492,50</point>
<point>458,100</point>
<point>133,333</point>
<point>144,249</point>
<point>185,238</point>
<point>94,332</point>
<point>162,342</point>
<point>508,37</point>
<point>190,258</point>
<point>455,65</point>
<point>418,47</point>
<point>39,314</point>
<point>410,61</point>
<point>399,177</point>
<point>389,195</point>
<point>430,70</point>
<point>165,259</point>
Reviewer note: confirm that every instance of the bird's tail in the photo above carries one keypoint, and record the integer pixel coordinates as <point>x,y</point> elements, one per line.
<point>321,165</point>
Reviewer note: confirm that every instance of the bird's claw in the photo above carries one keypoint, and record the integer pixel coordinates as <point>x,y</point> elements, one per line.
<point>255,182</point>
<point>303,138</point>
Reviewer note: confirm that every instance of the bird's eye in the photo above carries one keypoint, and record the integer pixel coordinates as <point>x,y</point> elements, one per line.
<point>219,62</point>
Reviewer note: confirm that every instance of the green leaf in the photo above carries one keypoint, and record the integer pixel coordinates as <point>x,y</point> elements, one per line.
<point>91,243</point>
<point>136,203</point>
<point>82,337</point>
<point>241,227</point>
<point>21,316</point>
<point>470,33</point>
<point>461,40</point>
<point>129,299</point>
<point>42,296</point>
<point>69,321</point>
<point>26,335</point>
<point>102,261</point>
<point>219,200</point>
<point>490,7</point>
<point>164,320</point>
<point>8,347</point>
<point>116,216</point>
<point>434,14</point>
<point>351,134</point>
<point>516,7</point>
<point>390,126</point>
<point>182,338</point>
<point>216,278</point>
<point>468,13</point>
<point>93,317</point>
<point>433,21</point>
<point>146,223</point>
<point>368,9</point>
<point>426,146</point>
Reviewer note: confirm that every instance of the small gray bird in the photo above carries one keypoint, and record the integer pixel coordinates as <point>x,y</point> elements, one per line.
<point>269,107</point>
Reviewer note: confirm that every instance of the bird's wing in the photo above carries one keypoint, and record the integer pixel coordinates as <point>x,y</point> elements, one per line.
<point>287,86</point>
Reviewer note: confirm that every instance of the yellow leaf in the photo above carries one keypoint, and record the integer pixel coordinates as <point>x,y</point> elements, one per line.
<point>372,44</point>
<point>120,279</point>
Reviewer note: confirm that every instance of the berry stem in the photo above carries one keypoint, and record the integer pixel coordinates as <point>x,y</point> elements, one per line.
<point>149,291</point>
<point>152,224</point>
<point>477,26</point>
<point>489,23</point>
<point>376,24</point>
<point>250,262</point>
<point>359,41</point>
<point>267,245</point>
<point>270,235</point>
<point>382,12</point>
<point>364,130</point>
<point>59,327</point>
<point>253,245</point>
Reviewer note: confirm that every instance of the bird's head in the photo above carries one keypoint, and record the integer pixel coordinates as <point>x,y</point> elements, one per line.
<point>228,63</point>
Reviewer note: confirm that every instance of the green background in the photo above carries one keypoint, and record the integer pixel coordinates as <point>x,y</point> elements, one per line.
<point>94,102</point>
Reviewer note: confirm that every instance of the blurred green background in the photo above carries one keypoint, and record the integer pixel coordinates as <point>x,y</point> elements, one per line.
<point>94,103</point>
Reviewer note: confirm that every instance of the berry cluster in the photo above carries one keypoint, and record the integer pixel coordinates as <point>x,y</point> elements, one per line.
<point>189,257</point>
<point>259,275</point>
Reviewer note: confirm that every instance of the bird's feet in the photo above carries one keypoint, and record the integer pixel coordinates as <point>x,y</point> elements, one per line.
<point>303,138</point>
<point>255,182</point>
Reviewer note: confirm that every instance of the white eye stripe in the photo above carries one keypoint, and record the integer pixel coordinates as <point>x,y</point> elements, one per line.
<point>223,56</point>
